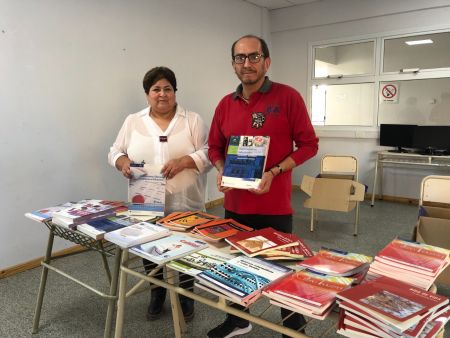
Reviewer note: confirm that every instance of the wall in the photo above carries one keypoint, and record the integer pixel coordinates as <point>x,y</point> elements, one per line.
<point>294,28</point>
<point>70,73</point>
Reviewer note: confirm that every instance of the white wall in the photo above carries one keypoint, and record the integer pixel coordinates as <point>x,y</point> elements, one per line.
<point>70,73</point>
<point>295,27</point>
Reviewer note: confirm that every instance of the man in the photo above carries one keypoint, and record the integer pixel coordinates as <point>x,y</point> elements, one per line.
<point>261,107</point>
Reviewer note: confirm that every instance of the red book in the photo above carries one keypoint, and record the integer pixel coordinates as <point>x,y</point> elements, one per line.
<point>399,305</point>
<point>259,241</point>
<point>414,256</point>
<point>309,289</point>
<point>336,263</point>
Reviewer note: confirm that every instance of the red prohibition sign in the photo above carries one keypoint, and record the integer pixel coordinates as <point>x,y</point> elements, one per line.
<point>389,91</point>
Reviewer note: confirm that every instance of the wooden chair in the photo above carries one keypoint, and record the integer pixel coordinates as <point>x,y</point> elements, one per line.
<point>339,167</point>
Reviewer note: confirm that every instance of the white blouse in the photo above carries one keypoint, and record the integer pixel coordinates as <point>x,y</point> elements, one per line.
<point>187,134</point>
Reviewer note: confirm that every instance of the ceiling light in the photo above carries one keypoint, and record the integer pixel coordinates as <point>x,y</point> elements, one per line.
<point>418,42</point>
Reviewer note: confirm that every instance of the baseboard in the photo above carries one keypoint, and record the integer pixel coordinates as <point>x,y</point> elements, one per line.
<point>397,199</point>
<point>37,262</point>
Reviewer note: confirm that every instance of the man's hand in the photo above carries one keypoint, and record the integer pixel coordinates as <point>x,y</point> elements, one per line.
<point>264,185</point>
<point>219,183</point>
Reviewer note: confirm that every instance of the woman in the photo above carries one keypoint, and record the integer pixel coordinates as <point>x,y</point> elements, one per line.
<point>167,134</point>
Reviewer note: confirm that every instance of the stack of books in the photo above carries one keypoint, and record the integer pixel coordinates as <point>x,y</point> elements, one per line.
<point>169,248</point>
<point>270,244</point>
<point>219,229</point>
<point>416,263</point>
<point>199,261</point>
<point>241,279</point>
<point>85,211</point>
<point>46,214</point>
<point>386,307</point>
<point>185,221</point>
<point>307,292</point>
<point>338,263</point>
<point>135,234</point>
<point>98,228</point>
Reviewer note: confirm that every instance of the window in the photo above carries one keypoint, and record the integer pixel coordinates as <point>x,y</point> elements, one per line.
<point>387,79</point>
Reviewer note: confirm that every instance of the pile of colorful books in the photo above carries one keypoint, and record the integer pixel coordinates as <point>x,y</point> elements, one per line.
<point>385,307</point>
<point>85,211</point>
<point>415,263</point>
<point>335,262</point>
<point>270,244</point>
<point>307,292</point>
<point>241,279</point>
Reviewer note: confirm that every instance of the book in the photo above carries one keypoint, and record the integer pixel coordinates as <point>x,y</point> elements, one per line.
<point>260,241</point>
<point>98,228</point>
<point>136,234</point>
<point>199,261</point>
<point>186,220</point>
<point>397,304</point>
<point>337,262</point>
<point>146,190</point>
<point>46,214</point>
<point>84,211</point>
<point>245,161</point>
<point>414,256</point>
<point>168,248</point>
<point>309,290</point>
<point>242,278</point>
<point>219,229</point>
<point>298,251</point>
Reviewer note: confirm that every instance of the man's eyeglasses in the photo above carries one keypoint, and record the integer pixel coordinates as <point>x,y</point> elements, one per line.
<point>253,58</point>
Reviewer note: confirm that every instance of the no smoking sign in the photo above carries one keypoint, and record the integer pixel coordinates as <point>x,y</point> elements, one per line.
<point>389,93</point>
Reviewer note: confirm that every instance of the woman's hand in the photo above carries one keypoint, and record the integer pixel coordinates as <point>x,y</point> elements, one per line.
<point>123,165</point>
<point>173,167</point>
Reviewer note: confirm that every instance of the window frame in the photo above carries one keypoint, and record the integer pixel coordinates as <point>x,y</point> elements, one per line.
<point>354,131</point>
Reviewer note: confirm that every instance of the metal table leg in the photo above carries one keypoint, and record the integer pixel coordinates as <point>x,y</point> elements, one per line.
<point>122,295</point>
<point>112,292</point>
<point>40,298</point>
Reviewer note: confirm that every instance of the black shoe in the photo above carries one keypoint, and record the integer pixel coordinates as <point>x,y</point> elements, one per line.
<point>157,298</point>
<point>230,328</point>
<point>187,307</point>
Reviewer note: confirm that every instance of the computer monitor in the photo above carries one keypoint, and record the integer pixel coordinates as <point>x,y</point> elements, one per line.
<point>397,135</point>
<point>432,138</point>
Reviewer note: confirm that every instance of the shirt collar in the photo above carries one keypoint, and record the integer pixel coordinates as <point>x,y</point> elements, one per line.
<point>267,84</point>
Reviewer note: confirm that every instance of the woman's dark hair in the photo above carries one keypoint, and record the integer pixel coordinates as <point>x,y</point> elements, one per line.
<point>157,73</point>
<point>264,48</point>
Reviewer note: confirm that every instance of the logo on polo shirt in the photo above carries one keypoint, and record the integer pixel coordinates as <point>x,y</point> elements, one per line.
<point>258,120</point>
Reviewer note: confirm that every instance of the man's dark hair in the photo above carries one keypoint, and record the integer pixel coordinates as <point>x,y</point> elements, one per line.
<point>157,73</point>
<point>264,48</point>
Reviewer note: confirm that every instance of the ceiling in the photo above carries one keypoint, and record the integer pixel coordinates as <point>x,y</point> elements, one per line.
<point>276,4</point>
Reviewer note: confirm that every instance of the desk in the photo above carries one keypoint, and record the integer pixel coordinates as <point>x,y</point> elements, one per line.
<point>213,300</point>
<point>386,158</point>
<point>105,249</point>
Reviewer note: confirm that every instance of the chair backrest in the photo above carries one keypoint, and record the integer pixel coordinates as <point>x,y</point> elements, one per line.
<point>435,189</point>
<point>339,165</point>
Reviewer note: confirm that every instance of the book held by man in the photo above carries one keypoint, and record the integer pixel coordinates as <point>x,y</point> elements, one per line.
<point>245,161</point>
<point>136,234</point>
